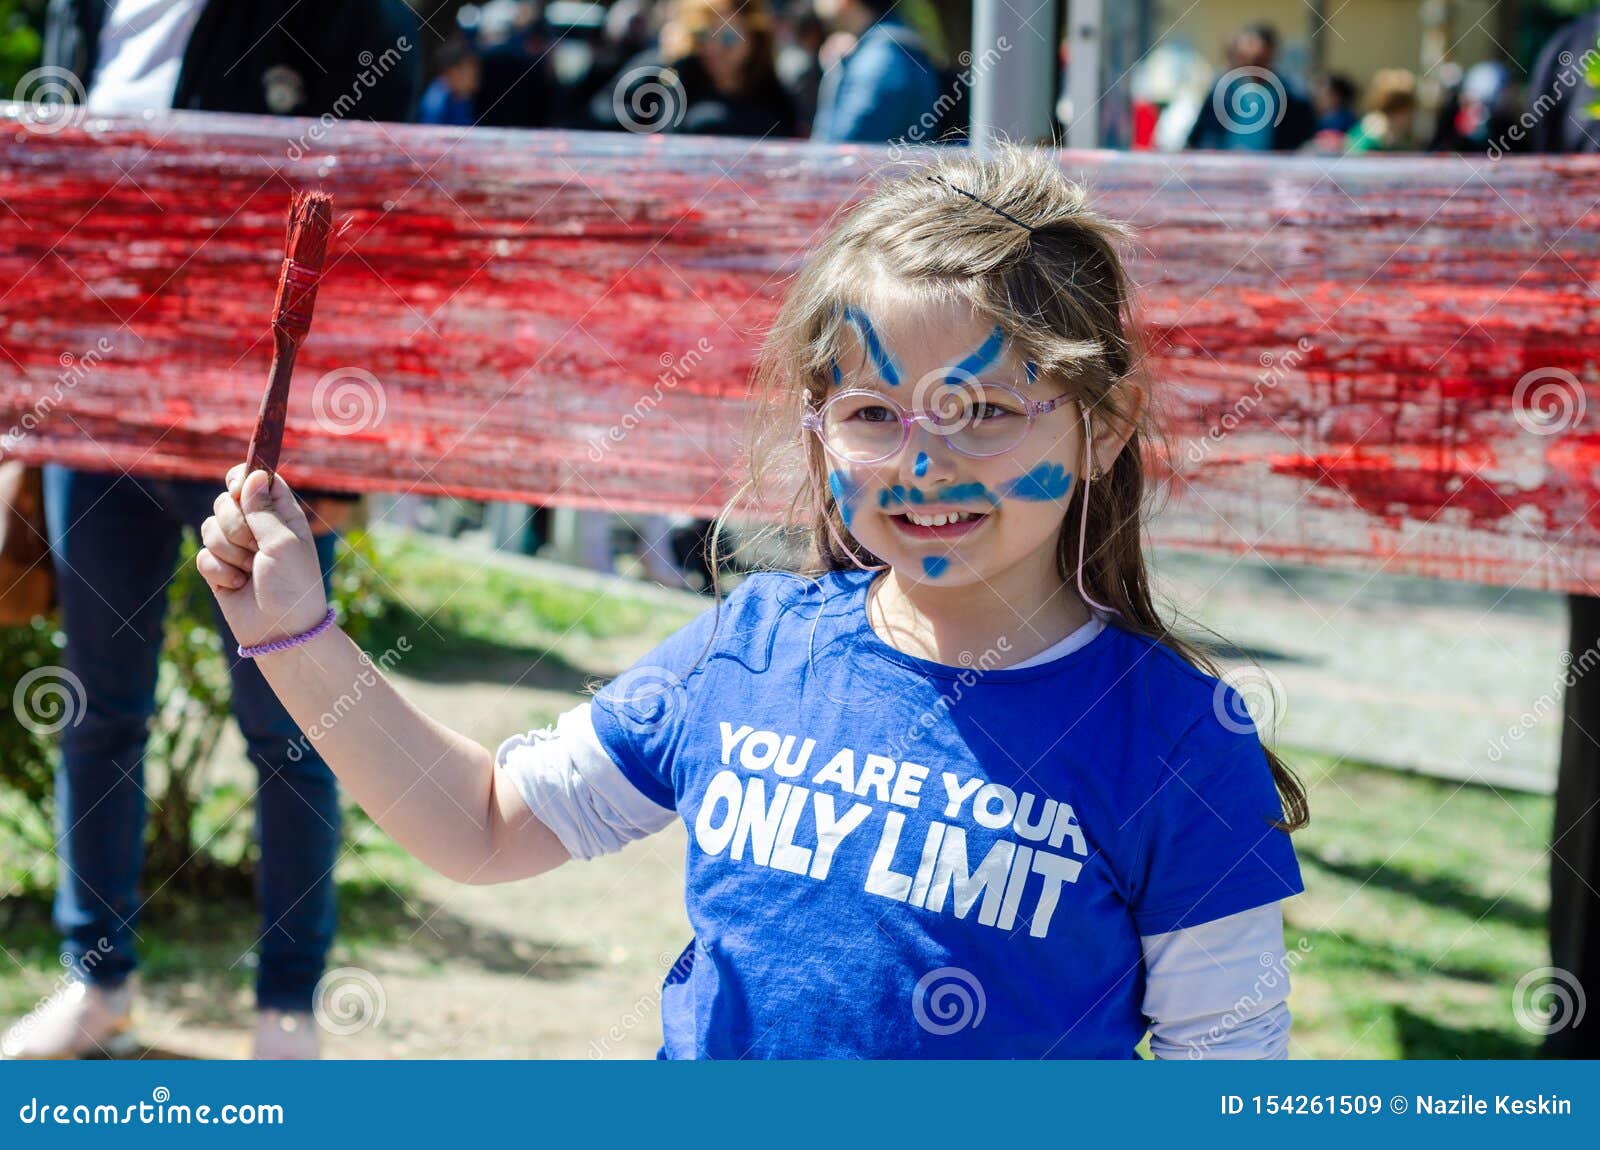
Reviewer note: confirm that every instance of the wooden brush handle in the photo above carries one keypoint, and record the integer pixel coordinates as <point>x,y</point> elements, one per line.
<point>267,442</point>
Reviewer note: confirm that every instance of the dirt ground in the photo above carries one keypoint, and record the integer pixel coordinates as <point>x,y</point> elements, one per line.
<point>565,966</point>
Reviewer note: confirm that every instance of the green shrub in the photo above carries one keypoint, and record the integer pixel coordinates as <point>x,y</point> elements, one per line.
<point>193,844</point>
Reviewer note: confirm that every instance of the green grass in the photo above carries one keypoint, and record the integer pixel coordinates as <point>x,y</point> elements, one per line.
<point>1424,905</point>
<point>497,607</point>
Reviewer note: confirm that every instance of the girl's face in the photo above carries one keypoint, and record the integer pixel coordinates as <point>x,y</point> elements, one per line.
<point>936,516</point>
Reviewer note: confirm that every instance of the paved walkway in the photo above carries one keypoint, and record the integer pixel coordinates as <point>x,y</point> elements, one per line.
<point>1414,674</point>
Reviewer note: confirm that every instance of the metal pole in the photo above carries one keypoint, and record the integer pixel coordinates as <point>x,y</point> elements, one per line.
<point>1317,62</point>
<point>1012,70</point>
<point>1084,20</point>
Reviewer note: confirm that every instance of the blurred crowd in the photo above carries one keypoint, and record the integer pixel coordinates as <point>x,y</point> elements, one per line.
<point>1254,105</point>
<point>839,70</point>
<point>876,71</point>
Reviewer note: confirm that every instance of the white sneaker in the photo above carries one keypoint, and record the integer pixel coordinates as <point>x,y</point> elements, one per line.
<point>80,1021</point>
<point>286,1034</point>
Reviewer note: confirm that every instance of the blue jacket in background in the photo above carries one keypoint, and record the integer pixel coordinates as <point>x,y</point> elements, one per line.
<point>880,90</point>
<point>442,106</point>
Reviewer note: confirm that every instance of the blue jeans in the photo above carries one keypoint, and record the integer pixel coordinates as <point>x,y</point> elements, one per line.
<point>114,541</point>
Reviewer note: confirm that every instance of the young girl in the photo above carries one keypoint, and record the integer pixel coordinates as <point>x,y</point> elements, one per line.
<point>955,792</point>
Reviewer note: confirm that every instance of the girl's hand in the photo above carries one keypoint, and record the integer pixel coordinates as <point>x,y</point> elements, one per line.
<point>260,561</point>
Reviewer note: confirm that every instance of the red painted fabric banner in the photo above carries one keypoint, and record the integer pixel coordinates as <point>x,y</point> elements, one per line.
<point>1363,361</point>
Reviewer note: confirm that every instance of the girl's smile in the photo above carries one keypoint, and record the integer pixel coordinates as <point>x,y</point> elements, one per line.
<point>938,525</point>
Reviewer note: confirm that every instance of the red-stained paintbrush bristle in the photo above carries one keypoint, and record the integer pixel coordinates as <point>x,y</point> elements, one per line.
<point>305,249</point>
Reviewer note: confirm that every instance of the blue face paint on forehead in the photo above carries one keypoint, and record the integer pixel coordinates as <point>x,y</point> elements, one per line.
<point>980,360</point>
<point>1033,371</point>
<point>838,376</point>
<point>877,354</point>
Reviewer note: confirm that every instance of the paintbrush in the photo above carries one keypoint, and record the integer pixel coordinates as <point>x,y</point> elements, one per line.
<point>310,221</point>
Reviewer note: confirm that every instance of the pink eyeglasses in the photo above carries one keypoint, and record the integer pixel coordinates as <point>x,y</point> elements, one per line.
<point>864,426</point>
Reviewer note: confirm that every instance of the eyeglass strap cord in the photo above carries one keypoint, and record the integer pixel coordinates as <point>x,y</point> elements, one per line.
<point>827,519</point>
<point>1083,522</point>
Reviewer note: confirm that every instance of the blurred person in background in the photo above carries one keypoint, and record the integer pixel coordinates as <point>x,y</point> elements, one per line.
<point>1390,122</point>
<point>714,73</point>
<point>1251,107</point>
<point>880,89</point>
<point>800,36</point>
<point>1477,111</point>
<point>1334,100</point>
<point>518,86</point>
<point>115,538</point>
<point>1335,103</point>
<point>452,97</point>
<point>733,45</point>
<point>1561,84</point>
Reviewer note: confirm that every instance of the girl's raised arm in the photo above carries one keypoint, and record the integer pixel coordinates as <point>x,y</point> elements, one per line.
<point>436,792</point>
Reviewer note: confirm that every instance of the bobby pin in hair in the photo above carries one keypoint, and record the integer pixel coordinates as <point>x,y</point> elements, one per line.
<point>975,199</point>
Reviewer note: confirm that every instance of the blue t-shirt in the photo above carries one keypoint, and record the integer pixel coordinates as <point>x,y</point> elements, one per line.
<point>893,858</point>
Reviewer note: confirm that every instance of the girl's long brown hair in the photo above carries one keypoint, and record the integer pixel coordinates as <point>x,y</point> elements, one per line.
<point>1063,296</point>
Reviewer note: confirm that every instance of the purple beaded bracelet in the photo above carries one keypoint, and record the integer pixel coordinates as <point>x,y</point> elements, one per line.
<point>291,641</point>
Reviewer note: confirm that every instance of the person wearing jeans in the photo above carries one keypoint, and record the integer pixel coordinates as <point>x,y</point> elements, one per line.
<point>114,541</point>
<point>115,537</point>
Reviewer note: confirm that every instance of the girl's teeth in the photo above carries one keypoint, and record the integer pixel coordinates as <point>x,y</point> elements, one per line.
<point>938,520</point>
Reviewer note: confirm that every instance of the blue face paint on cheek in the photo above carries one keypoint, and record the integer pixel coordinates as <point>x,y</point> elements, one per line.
<point>1042,483</point>
<point>920,468</point>
<point>876,352</point>
<point>980,360</point>
<point>844,491</point>
<point>935,565</point>
<point>1033,371</point>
